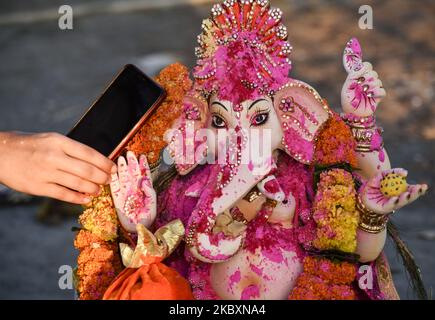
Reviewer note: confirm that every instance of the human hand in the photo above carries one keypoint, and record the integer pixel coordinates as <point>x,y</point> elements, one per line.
<point>133,193</point>
<point>52,165</point>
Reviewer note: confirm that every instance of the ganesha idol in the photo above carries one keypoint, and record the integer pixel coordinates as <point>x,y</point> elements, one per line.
<point>306,216</point>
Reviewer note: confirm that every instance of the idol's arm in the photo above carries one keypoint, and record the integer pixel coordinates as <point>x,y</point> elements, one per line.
<point>384,190</point>
<point>370,245</point>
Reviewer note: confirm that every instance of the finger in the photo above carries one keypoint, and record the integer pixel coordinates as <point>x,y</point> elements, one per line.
<point>83,152</point>
<point>403,200</point>
<point>133,166</point>
<point>416,191</point>
<point>413,193</point>
<point>64,194</point>
<point>372,75</point>
<point>148,190</point>
<point>361,72</point>
<point>76,183</point>
<point>391,204</point>
<point>145,169</point>
<point>84,170</point>
<point>423,189</point>
<point>352,55</point>
<point>367,67</point>
<point>115,190</point>
<point>380,93</point>
<point>123,174</point>
<point>376,83</point>
<point>400,171</point>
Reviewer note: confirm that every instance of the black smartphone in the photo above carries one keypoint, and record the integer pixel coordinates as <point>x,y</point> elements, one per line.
<point>126,103</point>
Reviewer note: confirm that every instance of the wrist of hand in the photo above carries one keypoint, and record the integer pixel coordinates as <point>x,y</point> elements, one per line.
<point>370,221</point>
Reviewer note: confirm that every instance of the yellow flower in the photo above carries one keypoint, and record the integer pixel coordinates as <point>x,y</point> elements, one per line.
<point>336,197</point>
<point>100,217</point>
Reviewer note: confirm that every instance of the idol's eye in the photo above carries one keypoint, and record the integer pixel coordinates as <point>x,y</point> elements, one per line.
<point>218,122</point>
<point>260,118</point>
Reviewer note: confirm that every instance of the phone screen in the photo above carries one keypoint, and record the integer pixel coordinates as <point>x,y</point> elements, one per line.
<point>113,116</point>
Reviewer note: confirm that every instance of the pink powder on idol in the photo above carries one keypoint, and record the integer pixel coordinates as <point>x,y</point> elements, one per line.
<point>251,291</point>
<point>273,254</point>
<point>250,166</point>
<point>381,155</point>
<point>209,255</point>
<point>257,270</point>
<point>298,144</point>
<point>272,186</point>
<point>376,141</point>
<point>235,278</point>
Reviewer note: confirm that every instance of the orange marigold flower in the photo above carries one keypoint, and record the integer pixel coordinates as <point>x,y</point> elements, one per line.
<point>149,140</point>
<point>335,143</point>
<point>323,279</point>
<point>98,265</point>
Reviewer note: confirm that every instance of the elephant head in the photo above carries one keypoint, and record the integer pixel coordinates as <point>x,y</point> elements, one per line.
<point>241,89</point>
<point>291,119</point>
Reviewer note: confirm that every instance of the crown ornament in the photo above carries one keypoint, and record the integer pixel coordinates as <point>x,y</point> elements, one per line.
<point>243,41</point>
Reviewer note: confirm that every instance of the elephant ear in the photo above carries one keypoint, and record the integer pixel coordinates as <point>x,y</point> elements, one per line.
<point>302,113</point>
<point>183,148</point>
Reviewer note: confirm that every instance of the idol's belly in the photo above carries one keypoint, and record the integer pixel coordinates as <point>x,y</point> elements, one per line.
<point>259,275</point>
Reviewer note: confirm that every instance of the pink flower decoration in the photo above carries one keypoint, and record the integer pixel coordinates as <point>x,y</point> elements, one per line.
<point>191,112</point>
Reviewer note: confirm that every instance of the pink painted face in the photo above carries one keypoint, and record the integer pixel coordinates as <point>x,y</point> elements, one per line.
<point>256,120</point>
<point>259,125</point>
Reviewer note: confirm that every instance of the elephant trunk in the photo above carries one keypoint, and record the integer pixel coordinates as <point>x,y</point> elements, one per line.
<point>205,244</point>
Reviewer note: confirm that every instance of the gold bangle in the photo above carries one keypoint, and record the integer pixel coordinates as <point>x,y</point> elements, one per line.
<point>371,221</point>
<point>363,138</point>
<point>363,130</point>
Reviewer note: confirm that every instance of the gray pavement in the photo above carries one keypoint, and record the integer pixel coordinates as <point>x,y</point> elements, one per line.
<point>48,78</point>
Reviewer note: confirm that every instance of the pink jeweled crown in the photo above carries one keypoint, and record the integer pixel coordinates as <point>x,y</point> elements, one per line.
<point>243,51</point>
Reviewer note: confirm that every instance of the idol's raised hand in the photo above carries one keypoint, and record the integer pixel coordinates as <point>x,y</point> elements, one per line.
<point>133,193</point>
<point>389,191</point>
<point>362,90</point>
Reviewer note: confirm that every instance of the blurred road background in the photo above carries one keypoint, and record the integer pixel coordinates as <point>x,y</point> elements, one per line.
<point>49,77</point>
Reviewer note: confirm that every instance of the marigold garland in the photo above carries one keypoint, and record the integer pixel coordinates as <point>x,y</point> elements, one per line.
<point>98,264</point>
<point>336,218</point>
<point>323,279</point>
<point>334,210</point>
<point>335,144</point>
